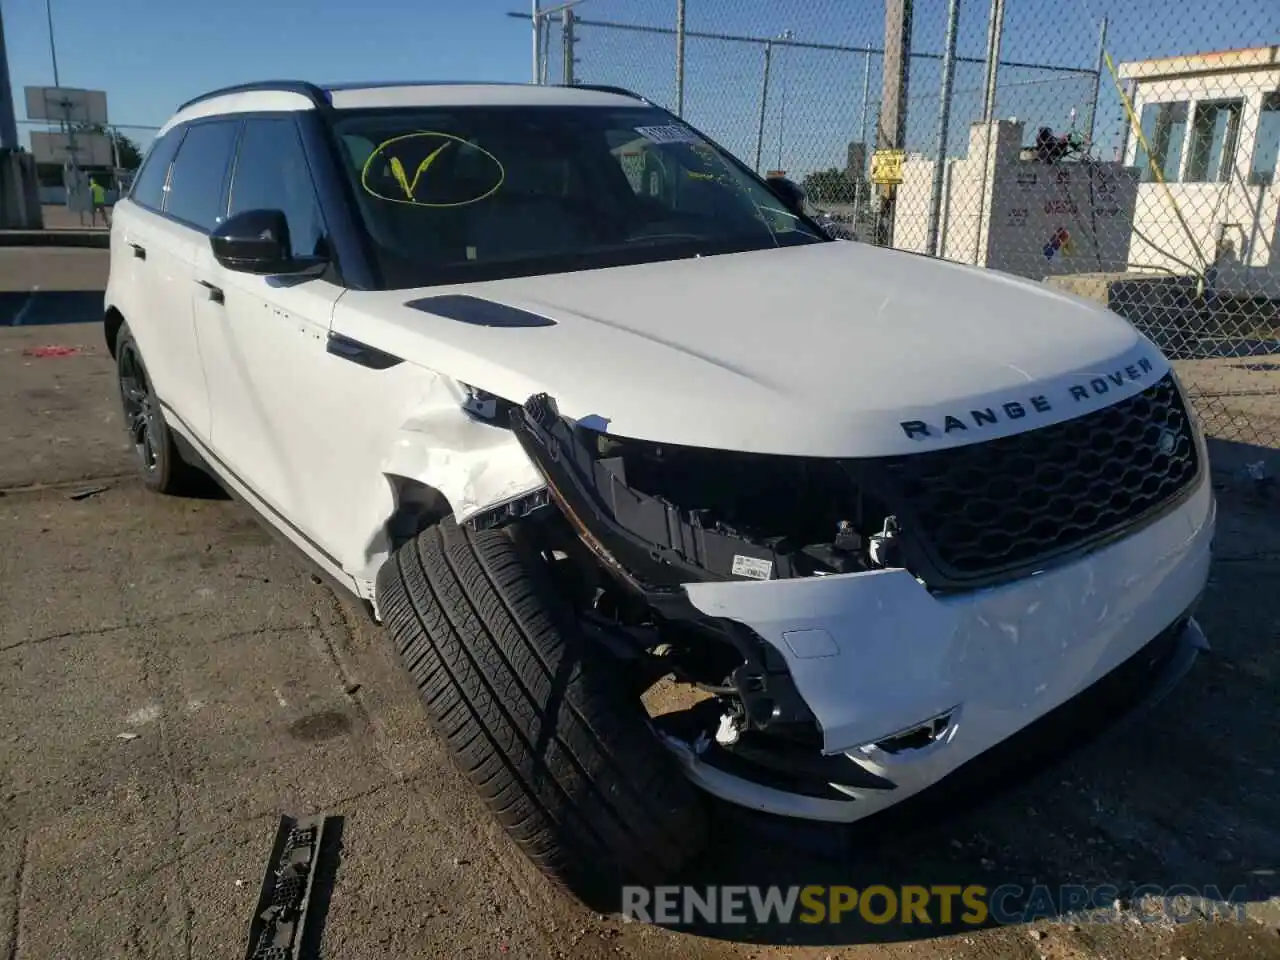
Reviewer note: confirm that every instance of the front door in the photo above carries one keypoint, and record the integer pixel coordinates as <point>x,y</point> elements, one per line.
<point>263,339</point>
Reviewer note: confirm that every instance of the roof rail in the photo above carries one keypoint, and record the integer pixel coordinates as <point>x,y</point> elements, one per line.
<point>605,88</point>
<point>309,90</point>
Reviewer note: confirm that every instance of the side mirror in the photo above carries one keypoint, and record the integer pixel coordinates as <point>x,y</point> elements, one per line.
<point>789,192</point>
<point>257,241</point>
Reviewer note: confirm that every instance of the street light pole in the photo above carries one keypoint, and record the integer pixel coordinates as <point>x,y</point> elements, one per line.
<point>536,19</point>
<point>53,50</point>
<point>782,101</point>
<point>764,100</point>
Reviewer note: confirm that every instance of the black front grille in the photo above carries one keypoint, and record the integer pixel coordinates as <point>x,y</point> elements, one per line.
<point>1010,504</point>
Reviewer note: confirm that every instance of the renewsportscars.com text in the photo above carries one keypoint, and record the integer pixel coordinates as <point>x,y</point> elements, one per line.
<point>943,904</point>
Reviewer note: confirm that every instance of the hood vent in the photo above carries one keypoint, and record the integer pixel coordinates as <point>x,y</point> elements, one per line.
<point>480,313</point>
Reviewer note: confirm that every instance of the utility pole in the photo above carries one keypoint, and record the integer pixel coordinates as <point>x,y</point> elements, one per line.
<point>680,58</point>
<point>8,122</point>
<point>567,38</point>
<point>892,133</point>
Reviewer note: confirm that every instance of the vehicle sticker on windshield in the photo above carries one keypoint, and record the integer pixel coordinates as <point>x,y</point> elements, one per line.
<point>672,133</point>
<point>386,173</point>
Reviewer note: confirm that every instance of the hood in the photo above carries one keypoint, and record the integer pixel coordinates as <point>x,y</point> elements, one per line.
<point>834,349</point>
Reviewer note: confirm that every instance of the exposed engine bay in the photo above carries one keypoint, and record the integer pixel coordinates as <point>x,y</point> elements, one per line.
<point>685,513</point>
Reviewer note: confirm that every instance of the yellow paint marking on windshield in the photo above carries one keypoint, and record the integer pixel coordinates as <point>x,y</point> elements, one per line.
<point>387,152</point>
<point>397,169</point>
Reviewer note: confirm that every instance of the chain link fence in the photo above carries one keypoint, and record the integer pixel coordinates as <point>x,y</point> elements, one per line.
<point>1122,151</point>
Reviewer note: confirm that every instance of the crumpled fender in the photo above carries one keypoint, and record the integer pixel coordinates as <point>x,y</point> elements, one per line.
<point>473,464</point>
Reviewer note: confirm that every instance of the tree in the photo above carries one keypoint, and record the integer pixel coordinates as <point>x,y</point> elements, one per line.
<point>128,151</point>
<point>828,186</point>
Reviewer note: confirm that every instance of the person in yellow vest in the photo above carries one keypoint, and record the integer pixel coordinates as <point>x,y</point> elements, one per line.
<point>99,200</point>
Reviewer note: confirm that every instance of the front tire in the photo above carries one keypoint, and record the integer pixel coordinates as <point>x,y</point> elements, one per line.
<point>155,450</point>
<point>536,717</point>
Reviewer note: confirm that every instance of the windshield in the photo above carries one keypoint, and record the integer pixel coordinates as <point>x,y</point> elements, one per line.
<point>456,194</point>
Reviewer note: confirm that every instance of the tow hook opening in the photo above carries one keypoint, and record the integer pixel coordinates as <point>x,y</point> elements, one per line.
<point>918,737</point>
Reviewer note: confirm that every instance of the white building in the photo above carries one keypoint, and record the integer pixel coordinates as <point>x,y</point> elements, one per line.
<point>1007,212</point>
<point>1212,125</point>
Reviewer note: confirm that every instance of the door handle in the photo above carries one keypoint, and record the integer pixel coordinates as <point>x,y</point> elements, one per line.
<point>139,250</point>
<point>214,293</point>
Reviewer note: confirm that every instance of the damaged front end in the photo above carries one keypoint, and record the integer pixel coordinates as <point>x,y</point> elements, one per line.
<point>655,517</point>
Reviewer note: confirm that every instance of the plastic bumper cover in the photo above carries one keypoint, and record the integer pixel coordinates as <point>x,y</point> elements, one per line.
<point>874,654</point>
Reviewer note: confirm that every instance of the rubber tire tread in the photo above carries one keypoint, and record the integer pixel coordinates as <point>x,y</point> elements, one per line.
<point>536,716</point>
<point>173,476</point>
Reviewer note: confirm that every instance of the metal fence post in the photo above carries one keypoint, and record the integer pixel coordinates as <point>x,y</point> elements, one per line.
<point>944,121</point>
<point>862,139</point>
<point>995,32</point>
<point>680,58</point>
<point>764,101</point>
<point>536,20</point>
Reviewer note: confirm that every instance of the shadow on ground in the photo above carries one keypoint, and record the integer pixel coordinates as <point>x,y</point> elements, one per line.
<point>1183,797</point>
<point>22,308</point>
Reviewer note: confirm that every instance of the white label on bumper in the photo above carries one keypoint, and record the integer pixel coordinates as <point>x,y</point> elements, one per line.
<point>752,567</point>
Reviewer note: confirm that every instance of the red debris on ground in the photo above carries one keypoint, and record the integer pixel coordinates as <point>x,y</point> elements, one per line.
<point>51,351</point>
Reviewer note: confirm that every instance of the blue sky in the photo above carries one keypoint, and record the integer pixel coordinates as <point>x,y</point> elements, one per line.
<point>151,55</point>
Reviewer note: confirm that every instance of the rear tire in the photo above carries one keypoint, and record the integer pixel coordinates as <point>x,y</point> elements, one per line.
<point>155,450</point>
<point>537,718</point>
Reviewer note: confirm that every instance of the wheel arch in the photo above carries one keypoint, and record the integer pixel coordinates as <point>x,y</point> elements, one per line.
<point>112,321</point>
<point>445,462</point>
<point>416,506</point>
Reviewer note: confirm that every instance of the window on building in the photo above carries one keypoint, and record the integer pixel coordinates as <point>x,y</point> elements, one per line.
<point>1267,144</point>
<point>1164,126</point>
<point>200,172</point>
<point>1213,141</point>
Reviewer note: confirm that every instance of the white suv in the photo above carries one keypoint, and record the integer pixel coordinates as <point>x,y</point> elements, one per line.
<point>580,405</point>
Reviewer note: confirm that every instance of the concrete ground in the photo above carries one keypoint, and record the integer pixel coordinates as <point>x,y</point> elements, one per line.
<point>172,680</point>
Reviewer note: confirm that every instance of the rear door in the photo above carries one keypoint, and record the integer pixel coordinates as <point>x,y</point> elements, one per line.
<point>163,244</point>
<point>264,339</point>
<point>151,260</point>
<point>131,284</point>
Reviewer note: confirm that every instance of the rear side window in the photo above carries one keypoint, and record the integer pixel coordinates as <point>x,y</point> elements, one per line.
<point>271,173</point>
<point>199,173</point>
<point>148,187</point>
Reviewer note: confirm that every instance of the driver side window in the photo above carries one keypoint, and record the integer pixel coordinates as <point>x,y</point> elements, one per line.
<point>271,173</point>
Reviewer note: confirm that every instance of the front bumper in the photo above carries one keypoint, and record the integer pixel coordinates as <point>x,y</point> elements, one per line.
<point>874,654</point>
